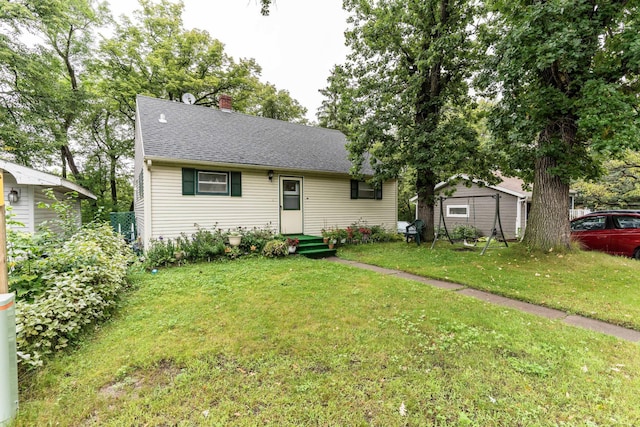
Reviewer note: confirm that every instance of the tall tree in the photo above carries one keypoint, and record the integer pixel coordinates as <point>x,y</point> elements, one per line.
<point>155,55</point>
<point>567,72</point>
<point>335,108</point>
<point>267,101</point>
<point>43,85</point>
<point>406,91</point>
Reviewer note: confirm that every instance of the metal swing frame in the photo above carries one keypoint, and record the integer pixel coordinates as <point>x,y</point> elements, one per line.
<point>497,223</point>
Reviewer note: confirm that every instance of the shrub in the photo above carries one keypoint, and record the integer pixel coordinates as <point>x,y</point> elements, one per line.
<point>275,248</point>
<point>464,231</point>
<point>380,234</point>
<point>255,239</point>
<point>82,279</point>
<point>205,245</point>
<point>24,256</point>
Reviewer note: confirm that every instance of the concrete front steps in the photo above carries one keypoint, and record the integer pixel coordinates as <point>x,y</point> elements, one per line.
<point>312,247</point>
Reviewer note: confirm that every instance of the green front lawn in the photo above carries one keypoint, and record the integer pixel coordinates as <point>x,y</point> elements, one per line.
<point>304,342</point>
<point>592,284</point>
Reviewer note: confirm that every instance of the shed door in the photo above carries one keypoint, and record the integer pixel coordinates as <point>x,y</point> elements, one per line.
<point>290,205</point>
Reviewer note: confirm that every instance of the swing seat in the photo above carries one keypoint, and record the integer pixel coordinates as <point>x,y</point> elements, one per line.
<point>414,231</point>
<point>470,245</point>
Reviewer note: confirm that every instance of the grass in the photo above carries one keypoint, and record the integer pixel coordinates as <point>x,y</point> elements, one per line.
<point>309,342</point>
<point>592,284</point>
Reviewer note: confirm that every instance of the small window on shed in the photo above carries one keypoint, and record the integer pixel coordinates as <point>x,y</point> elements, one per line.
<point>458,211</point>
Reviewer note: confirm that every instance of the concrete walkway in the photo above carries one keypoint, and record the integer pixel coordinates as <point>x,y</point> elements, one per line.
<point>549,313</point>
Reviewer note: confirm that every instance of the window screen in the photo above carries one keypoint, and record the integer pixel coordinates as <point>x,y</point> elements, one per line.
<point>290,195</point>
<point>212,182</point>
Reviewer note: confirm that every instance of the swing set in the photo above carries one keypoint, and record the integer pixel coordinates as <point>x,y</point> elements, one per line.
<point>497,224</point>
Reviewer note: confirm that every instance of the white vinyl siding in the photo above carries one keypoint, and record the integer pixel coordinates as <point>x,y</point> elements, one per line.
<point>142,187</point>
<point>174,213</point>
<point>22,210</point>
<point>326,202</point>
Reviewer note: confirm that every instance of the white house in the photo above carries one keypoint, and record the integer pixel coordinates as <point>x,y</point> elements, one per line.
<point>24,188</point>
<point>197,166</point>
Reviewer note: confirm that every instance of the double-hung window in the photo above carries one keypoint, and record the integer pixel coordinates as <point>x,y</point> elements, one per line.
<point>364,190</point>
<point>211,183</point>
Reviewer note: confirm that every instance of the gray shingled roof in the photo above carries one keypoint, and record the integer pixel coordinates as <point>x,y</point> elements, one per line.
<point>196,133</point>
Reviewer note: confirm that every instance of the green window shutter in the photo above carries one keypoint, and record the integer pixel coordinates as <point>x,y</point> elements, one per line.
<point>378,195</point>
<point>188,182</point>
<point>141,185</point>
<point>354,189</point>
<point>236,184</point>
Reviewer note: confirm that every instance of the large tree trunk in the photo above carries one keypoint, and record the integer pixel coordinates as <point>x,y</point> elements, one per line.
<point>548,225</point>
<point>425,187</point>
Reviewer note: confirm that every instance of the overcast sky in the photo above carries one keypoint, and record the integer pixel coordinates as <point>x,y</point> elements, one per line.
<point>296,45</point>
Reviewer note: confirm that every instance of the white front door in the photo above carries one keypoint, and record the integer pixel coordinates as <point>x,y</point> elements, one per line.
<point>290,205</point>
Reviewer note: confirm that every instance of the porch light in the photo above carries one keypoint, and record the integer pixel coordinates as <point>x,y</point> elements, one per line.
<point>270,175</point>
<point>14,196</point>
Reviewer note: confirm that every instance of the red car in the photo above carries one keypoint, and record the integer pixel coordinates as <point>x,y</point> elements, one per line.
<point>613,232</point>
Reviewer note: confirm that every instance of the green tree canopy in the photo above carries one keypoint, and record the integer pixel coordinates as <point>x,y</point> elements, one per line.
<point>566,73</point>
<point>267,101</point>
<point>43,93</point>
<point>155,55</point>
<point>402,96</point>
<point>618,187</point>
<point>68,102</point>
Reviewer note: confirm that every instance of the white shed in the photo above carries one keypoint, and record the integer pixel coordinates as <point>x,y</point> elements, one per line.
<point>24,189</point>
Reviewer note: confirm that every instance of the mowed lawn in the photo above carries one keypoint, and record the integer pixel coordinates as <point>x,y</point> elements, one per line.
<point>309,342</point>
<point>592,284</point>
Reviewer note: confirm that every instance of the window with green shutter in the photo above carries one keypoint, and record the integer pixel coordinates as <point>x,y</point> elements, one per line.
<point>219,183</point>
<point>236,184</point>
<point>188,182</point>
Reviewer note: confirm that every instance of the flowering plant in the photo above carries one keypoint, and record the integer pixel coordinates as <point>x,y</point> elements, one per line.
<point>293,242</point>
<point>364,231</point>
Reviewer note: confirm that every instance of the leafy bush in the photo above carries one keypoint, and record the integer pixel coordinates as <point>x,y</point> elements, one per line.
<point>24,255</point>
<point>82,278</point>
<point>255,239</point>
<point>381,234</point>
<point>205,245</point>
<point>360,232</point>
<point>27,253</point>
<point>276,248</point>
<point>464,231</point>
<point>66,220</point>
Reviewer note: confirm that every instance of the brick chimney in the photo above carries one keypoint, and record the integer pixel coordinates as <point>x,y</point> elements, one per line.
<point>224,103</point>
